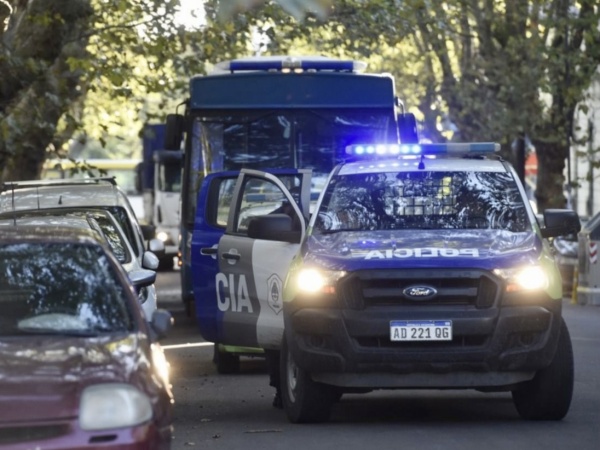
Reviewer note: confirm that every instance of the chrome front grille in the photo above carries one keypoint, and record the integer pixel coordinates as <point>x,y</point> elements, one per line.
<point>455,287</point>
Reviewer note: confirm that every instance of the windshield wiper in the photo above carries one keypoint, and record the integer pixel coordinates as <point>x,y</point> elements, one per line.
<point>340,230</point>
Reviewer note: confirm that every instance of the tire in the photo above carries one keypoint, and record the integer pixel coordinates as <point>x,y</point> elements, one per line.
<point>304,400</point>
<point>227,363</point>
<point>548,395</point>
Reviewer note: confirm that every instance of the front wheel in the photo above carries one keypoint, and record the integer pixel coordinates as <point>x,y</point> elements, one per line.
<point>548,395</point>
<point>304,400</point>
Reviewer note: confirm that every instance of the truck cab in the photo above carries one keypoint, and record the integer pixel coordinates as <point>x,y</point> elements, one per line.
<point>159,180</point>
<point>166,197</point>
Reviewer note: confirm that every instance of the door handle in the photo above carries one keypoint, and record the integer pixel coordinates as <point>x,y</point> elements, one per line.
<point>231,256</point>
<point>209,251</point>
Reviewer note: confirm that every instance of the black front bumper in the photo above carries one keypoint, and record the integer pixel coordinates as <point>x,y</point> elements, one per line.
<point>497,340</point>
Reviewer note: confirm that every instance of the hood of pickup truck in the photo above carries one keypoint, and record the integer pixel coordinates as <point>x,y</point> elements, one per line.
<point>483,249</point>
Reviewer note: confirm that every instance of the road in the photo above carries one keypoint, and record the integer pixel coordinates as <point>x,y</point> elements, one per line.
<point>232,412</point>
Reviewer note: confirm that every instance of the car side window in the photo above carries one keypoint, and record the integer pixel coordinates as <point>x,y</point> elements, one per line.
<point>259,197</point>
<point>225,189</point>
<point>113,237</point>
<point>121,215</point>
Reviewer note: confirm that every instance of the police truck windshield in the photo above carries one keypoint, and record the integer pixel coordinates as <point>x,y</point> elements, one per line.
<point>422,200</point>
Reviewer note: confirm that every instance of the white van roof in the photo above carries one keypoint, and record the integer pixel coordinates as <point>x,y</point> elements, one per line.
<point>32,195</point>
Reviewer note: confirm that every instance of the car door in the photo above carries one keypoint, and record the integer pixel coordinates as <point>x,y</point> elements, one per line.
<point>213,200</point>
<point>215,307</point>
<point>249,285</point>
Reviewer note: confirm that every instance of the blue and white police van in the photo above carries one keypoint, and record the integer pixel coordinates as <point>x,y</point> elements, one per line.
<point>418,266</point>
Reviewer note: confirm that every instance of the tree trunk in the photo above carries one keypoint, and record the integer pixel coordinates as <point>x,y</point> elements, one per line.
<point>549,192</point>
<point>39,79</point>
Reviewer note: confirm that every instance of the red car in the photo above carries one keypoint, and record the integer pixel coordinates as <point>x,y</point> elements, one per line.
<point>80,367</point>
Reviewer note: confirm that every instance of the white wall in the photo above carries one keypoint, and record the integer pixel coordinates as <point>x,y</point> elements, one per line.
<point>587,195</point>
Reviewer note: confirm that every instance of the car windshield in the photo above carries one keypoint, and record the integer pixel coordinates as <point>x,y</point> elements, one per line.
<point>97,220</point>
<point>60,289</point>
<point>422,200</point>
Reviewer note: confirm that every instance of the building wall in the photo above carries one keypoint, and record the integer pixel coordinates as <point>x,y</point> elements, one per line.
<point>585,199</point>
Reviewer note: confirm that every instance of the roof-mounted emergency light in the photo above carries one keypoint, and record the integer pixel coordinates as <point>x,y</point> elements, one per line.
<point>311,63</point>
<point>449,149</point>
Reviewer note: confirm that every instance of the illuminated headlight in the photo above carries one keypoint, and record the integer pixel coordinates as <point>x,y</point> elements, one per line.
<point>529,278</point>
<point>163,236</point>
<point>107,406</point>
<point>315,280</point>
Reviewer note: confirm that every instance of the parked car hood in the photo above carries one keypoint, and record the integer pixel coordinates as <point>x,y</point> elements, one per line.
<point>489,249</point>
<point>42,377</point>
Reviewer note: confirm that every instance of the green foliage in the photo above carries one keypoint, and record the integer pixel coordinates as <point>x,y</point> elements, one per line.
<point>94,71</point>
<point>475,70</point>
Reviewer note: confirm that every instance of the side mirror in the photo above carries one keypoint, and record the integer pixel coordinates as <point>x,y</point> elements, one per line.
<point>274,227</point>
<point>157,247</point>
<point>150,261</point>
<point>559,222</point>
<point>142,278</point>
<point>174,131</point>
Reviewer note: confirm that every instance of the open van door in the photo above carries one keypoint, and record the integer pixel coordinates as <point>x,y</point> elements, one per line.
<point>229,305</point>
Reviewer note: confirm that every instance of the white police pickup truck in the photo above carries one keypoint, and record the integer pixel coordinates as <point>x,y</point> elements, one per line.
<point>421,266</point>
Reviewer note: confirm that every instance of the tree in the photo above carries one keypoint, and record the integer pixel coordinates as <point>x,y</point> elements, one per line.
<point>520,67</point>
<point>487,69</point>
<point>53,53</point>
<point>494,70</point>
<point>38,84</point>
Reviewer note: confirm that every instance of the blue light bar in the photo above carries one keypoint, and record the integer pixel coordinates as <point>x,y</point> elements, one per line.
<point>291,63</point>
<point>461,148</point>
<point>449,149</point>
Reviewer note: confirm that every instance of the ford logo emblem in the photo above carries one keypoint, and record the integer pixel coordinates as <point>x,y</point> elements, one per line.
<point>419,292</point>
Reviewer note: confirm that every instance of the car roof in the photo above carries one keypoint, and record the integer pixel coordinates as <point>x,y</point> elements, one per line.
<point>55,234</point>
<point>45,194</point>
<point>58,212</point>
<point>47,221</point>
<point>99,192</point>
<point>413,165</point>
<point>67,218</point>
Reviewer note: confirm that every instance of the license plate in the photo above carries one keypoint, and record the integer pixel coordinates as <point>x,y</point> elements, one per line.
<point>421,330</point>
